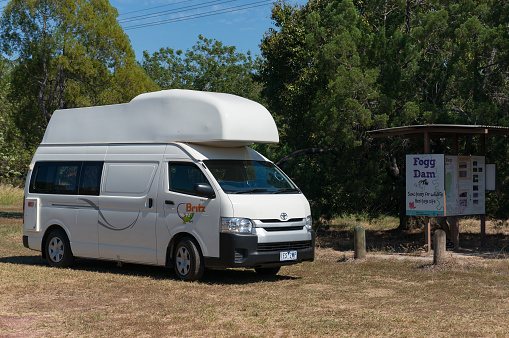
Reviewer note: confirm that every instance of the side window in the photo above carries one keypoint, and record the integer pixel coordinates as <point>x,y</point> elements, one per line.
<point>43,177</point>
<point>90,181</point>
<point>66,178</point>
<point>129,178</point>
<point>183,177</point>
<point>55,178</point>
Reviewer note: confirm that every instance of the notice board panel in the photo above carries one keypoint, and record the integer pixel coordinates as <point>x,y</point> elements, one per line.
<point>465,185</point>
<point>425,185</point>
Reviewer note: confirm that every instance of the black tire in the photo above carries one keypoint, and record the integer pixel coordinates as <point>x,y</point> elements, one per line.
<point>187,260</point>
<point>58,250</point>
<point>268,271</point>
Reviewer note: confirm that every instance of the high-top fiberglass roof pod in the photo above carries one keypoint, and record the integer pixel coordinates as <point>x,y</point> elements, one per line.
<point>170,115</point>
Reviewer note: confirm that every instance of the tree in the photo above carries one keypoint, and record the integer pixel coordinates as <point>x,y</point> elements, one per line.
<point>68,54</point>
<point>13,155</point>
<point>441,62</point>
<point>334,69</point>
<point>317,83</point>
<point>208,66</point>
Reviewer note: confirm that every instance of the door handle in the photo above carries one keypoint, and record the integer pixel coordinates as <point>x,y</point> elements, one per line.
<point>169,202</point>
<point>150,203</point>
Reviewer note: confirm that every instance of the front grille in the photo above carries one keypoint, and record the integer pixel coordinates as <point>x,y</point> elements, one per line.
<point>281,246</point>
<point>275,220</point>
<point>294,228</point>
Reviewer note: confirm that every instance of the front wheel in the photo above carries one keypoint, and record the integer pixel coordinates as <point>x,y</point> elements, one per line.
<point>58,250</point>
<point>188,261</point>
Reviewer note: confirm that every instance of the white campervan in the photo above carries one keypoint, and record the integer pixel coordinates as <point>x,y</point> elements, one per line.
<point>166,179</point>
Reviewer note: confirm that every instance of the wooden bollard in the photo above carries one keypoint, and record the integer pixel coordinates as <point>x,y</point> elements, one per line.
<point>439,250</point>
<point>359,242</point>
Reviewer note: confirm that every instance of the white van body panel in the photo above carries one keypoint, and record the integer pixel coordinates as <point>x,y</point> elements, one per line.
<point>205,222</point>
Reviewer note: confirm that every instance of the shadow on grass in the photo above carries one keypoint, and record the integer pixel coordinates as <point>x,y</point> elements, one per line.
<point>23,260</point>
<point>212,277</point>
<point>408,241</point>
<point>11,214</point>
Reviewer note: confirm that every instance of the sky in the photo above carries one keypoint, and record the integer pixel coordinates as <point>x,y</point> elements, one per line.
<point>155,24</point>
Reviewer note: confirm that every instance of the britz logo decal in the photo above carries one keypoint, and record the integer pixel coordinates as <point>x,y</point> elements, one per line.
<point>186,211</point>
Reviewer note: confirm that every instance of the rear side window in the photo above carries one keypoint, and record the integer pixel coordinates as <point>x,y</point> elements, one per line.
<point>183,177</point>
<point>68,178</point>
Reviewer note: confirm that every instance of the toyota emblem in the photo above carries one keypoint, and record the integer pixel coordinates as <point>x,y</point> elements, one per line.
<point>283,216</point>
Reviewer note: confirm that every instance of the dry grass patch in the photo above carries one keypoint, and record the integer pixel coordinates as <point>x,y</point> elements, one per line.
<point>10,195</point>
<point>333,296</point>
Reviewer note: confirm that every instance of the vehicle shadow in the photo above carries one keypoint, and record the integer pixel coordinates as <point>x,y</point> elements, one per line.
<point>11,214</point>
<point>212,277</point>
<point>23,260</point>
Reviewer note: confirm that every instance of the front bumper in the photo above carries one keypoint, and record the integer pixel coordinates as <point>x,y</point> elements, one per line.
<point>243,250</point>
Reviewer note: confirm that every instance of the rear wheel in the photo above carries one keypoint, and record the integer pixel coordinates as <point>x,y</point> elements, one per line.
<point>187,260</point>
<point>58,250</point>
<point>268,271</point>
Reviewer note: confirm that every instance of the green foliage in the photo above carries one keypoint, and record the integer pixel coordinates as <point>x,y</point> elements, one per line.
<point>68,54</point>
<point>65,54</point>
<point>334,69</point>
<point>318,85</point>
<point>443,62</point>
<point>13,155</point>
<point>207,66</point>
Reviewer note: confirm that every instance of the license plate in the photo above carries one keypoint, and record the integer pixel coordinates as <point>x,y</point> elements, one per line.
<point>288,255</point>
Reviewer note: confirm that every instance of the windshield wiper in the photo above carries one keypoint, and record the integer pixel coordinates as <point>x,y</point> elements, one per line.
<point>281,191</point>
<point>249,191</point>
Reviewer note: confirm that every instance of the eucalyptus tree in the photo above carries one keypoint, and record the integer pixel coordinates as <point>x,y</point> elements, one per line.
<point>209,66</point>
<point>68,53</point>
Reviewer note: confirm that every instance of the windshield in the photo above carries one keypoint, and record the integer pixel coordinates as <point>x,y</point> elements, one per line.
<point>250,177</point>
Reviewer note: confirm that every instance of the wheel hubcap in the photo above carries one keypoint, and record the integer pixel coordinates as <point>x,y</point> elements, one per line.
<point>56,249</point>
<point>183,260</point>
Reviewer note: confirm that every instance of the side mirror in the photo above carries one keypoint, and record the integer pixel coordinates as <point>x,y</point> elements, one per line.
<point>204,190</point>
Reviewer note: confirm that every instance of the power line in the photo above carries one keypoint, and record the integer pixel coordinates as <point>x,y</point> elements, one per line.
<point>195,16</point>
<point>176,10</point>
<point>201,15</point>
<point>183,9</point>
<point>148,9</point>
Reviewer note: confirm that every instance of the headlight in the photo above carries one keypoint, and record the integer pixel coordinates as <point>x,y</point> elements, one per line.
<point>309,223</point>
<point>234,224</point>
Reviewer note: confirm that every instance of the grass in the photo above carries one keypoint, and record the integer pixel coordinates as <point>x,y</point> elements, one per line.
<point>333,296</point>
<point>348,222</point>
<point>10,195</point>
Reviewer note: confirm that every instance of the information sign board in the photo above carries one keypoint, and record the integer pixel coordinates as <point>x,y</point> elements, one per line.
<point>438,185</point>
<point>425,185</point>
